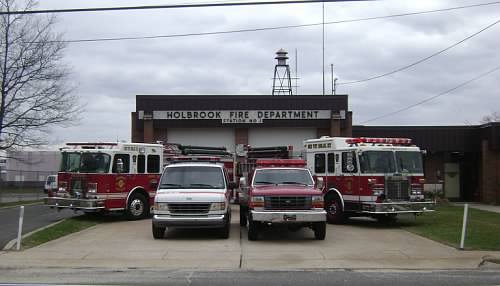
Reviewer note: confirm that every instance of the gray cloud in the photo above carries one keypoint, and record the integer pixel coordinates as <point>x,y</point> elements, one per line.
<point>110,74</point>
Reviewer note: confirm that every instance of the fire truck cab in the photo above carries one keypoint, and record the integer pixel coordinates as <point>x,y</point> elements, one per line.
<point>377,177</point>
<point>103,177</point>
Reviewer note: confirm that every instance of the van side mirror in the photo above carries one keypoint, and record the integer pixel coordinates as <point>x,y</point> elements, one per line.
<point>320,183</point>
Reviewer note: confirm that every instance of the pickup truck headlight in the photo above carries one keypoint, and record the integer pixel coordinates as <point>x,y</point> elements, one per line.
<point>317,202</point>
<point>161,207</point>
<point>257,202</point>
<point>218,206</point>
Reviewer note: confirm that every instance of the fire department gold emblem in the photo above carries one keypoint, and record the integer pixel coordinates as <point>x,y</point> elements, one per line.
<point>120,183</point>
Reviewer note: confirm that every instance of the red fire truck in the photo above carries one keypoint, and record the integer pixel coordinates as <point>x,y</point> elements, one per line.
<point>378,177</point>
<point>104,177</point>
<point>97,177</point>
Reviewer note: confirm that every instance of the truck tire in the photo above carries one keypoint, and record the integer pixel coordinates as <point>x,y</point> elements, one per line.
<point>158,232</point>
<point>319,230</point>
<point>243,216</point>
<point>334,212</point>
<point>137,207</point>
<point>226,230</point>
<point>253,231</point>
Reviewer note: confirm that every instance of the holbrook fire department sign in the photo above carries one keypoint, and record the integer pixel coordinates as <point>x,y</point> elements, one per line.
<point>239,116</point>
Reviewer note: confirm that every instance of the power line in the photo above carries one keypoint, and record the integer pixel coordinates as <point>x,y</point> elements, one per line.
<point>271,28</point>
<point>423,59</point>
<point>176,6</point>
<point>435,96</point>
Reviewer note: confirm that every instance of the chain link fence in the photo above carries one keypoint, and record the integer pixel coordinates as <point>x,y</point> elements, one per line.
<point>22,185</point>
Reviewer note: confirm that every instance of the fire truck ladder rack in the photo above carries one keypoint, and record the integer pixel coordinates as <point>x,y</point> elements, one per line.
<point>278,152</point>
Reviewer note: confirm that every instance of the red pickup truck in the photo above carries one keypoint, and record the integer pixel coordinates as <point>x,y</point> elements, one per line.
<point>281,191</point>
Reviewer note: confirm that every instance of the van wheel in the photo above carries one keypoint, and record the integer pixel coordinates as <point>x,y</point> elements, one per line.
<point>319,230</point>
<point>137,207</point>
<point>334,212</point>
<point>158,232</point>
<point>253,231</point>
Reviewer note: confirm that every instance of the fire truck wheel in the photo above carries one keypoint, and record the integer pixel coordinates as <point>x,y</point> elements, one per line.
<point>334,212</point>
<point>243,216</point>
<point>137,207</point>
<point>253,231</point>
<point>319,230</point>
<point>158,232</point>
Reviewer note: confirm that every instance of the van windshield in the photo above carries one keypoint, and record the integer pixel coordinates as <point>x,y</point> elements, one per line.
<point>192,177</point>
<point>85,162</point>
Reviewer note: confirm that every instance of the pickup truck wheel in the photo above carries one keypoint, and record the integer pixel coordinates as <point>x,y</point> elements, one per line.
<point>158,232</point>
<point>319,230</point>
<point>253,231</point>
<point>137,207</point>
<point>243,216</point>
<point>334,212</point>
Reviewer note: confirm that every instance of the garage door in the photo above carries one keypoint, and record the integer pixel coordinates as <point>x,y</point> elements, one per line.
<point>212,137</point>
<point>265,137</point>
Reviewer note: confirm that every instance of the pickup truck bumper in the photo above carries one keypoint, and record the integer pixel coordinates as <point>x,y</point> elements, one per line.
<point>289,216</point>
<point>210,221</point>
<point>73,203</point>
<point>398,207</point>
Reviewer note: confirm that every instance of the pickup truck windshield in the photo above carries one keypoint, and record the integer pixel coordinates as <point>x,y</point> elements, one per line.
<point>85,162</point>
<point>409,162</point>
<point>372,162</point>
<point>283,177</point>
<point>192,177</point>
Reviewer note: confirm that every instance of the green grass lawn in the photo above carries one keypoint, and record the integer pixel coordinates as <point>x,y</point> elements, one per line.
<point>61,229</point>
<point>445,225</point>
<point>22,203</point>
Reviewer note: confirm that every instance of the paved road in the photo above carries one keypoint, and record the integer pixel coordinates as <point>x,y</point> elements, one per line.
<point>35,216</point>
<point>127,276</point>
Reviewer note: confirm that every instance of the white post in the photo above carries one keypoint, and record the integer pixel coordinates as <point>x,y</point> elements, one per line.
<point>464,226</point>
<point>20,229</point>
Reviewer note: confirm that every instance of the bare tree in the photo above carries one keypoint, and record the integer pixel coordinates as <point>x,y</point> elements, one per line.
<point>33,79</point>
<point>493,117</point>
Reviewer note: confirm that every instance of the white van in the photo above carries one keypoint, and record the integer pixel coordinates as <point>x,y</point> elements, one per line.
<point>50,183</point>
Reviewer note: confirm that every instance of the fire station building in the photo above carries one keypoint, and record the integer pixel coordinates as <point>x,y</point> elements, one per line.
<point>462,162</point>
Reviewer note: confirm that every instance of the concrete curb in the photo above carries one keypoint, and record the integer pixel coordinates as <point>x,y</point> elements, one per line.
<point>13,242</point>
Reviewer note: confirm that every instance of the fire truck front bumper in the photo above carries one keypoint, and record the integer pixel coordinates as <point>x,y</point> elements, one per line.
<point>289,216</point>
<point>398,207</point>
<point>76,204</point>
<point>180,221</point>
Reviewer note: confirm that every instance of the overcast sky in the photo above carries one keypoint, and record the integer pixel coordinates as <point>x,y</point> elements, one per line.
<point>108,75</point>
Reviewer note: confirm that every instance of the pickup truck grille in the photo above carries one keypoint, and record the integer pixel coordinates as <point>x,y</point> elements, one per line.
<point>398,189</point>
<point>181,208</point>
<point>287,202</point>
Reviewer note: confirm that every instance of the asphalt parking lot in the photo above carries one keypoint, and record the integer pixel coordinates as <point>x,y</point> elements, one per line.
<point>130,244</point>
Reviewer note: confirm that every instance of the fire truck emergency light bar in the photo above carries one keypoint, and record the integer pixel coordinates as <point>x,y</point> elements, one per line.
<point>395,141</point>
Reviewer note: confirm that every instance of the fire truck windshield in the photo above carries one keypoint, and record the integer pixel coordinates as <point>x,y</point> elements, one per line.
<point>372,162</point>
<point>85,162</point>
<point>283,177</point>
<point>409,162</point>
<point>192,177</point>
